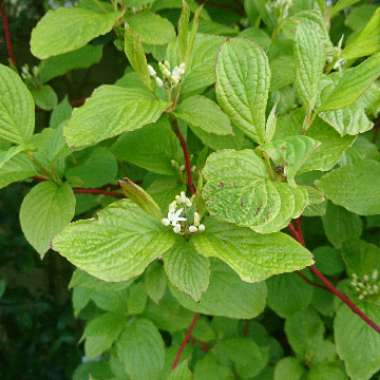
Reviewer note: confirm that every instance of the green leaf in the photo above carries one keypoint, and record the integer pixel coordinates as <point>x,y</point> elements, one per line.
<point>101,332</point>
<point>186,269</point>
<point>227,296</point>
<point>352,84</point>
<point>116,245</point>
<point>137,299</point>
<point>67,29</point>
<point>329,260</point>
<point>208,368</point>
<point>310,59</point>
<point>61,113</point>
<point>152,28</point>
<point>182,372</point>
<point>134,50</point>
<point>110,111</point>
<point>288,294</point>
<point>242,86</point>
<point>142,351</point>
<point>59,65</point>
<point>44,97</point>
<point>155,282</point>
<point>288,368</point>
<point>357,344</point>
<point>152,148</point>
<point>367,42</point>
<point>254,257</point>
<point>16,108</point>
<point>203,113</point>
<point>355,187</point>
<point>45,212</point>
<point>341,4</point>
<point>183,31</point>
<point>327,371</point>
<point>341,225</point>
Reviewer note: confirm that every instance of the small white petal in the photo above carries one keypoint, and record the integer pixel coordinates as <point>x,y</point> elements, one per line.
<point>159,82</point>
<point>202,227</point>
<point>193,229</point>
<point>197,219</point>
<point>177,229</point>
<point>165,221</point>
<point>152,71</point>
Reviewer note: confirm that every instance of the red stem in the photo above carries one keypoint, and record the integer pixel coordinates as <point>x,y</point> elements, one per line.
<point>186,155</point>
<point>312,283</point>
<point>7,34</point>
<point>298,235</point>
<point>185,341</point>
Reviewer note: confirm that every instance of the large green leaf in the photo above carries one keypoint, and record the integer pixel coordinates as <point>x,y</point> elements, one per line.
<point>116,245</point>
<point>110,111</point>
<point>142,350</point>
<point>355,187</point>
<point>67,29</point>
<point>310,59</point>
<point>227,296</point>
<point>254,257</point>
<point>16,108</point>
<point>45,211</point>
<point>288,368</point>
<point>242,86</point>
<point>186,269</point>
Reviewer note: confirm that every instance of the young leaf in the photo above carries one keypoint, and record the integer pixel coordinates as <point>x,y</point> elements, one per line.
<point>117,245</point>
<point>254,257</point>
<point>142,350</point>
<point>110,111</point>
<point>182,372</point>
<point>310,59</point>
<point>137,299</point>
<point>187,270</point>
<point>288,368</point>
<point>183,30</point>
<point>155,282</point>
<point>44,97</point>
<point>355,187</point>
<point>203,113</point>
<point>45,212</point>
<point>242,86</point>
<point>16,108</point>
<point>67,29</point>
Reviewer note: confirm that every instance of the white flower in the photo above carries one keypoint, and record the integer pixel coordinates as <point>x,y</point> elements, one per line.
<point>159,82</point>
<point>165,221</point>
<point>201,227</point>
<point>175,217</point>
<point>197,219</point>
<point>193,229</point>
<point>177,229</point>
<point>152,71</point>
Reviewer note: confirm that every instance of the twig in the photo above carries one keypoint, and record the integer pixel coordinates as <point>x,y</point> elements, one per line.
<point>296,231</point>
<point>7,34</point>
<point>309,282</point>
<point>185,341</point>
<point>186,155</point>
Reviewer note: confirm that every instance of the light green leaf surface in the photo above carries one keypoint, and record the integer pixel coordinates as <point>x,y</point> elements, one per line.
<point>288,368</point>
<point>182,372</point>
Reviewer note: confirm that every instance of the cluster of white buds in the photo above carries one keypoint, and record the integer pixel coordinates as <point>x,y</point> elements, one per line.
<point>281,7</point>
<point>334,56</point>
<point>181,168</point>
<point>26,73</point>
<point>182,217</point>
<point>170,78</point>
<point>366,285</point>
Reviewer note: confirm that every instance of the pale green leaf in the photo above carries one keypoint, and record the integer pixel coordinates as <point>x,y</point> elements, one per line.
<point>45,212</point>
<point>288,368</point>
<point>155,282</point>
<point>137,298</point>
<point>44,96</point>
<point>110,111</point>
<point>242,86</point>
<point>183,31</point>
<point>186,269</point>
<point>202,112</point>
<point>116,245</point>
<point>16,108</point>
<point>327,371</point>
<point>182,372</point>
<point>67,29</point>
<point>142,350</point>
<point>355,187</point>
<point>254,257</point>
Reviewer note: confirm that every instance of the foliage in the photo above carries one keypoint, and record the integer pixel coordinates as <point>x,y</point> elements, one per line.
<point>223,130</point>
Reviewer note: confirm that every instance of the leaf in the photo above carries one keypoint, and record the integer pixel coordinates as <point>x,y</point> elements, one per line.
<point>116,245</point>
<point>141,349</point>
<point>254,257</point>
<point>242,86</point>
<point>340,225</point>
<point>61,113</point>
<point>355,187</point>
<point>227,296</point>
<point>288,294</point>
<point>16,108</point>
<point>329,260</point>
<point>110,111</point>
<point>326,371</point>
<point>352,84</point>
<point>153,148</point>
<point>152,28</point>
<point>67,29</point>
<point>310,59</point>
<point>101,332</point>
<point>288,368</point>
<point>155,282</point>
<point>366,42</point>
<point>203,113</point>
<point>44,97</point>
<point>182,372</point>
<point>187,270</point>
<point>183,30</point>
<point>137,299</point>
<point>45,212</point>
<point>350,333</point>
<point>59,65</point>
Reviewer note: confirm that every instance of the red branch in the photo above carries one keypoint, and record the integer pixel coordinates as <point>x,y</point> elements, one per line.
<point>185,341</point>
<point>186,155</point>
<point>296,232</point>
<point>7,34</point>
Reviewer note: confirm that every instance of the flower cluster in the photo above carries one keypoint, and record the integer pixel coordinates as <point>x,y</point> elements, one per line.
<point>170,78</point>
<point>182,216</point>
<point>367,285</point>
<point>281,7</point>
<point>30,76</point>
<point>334,56</point>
